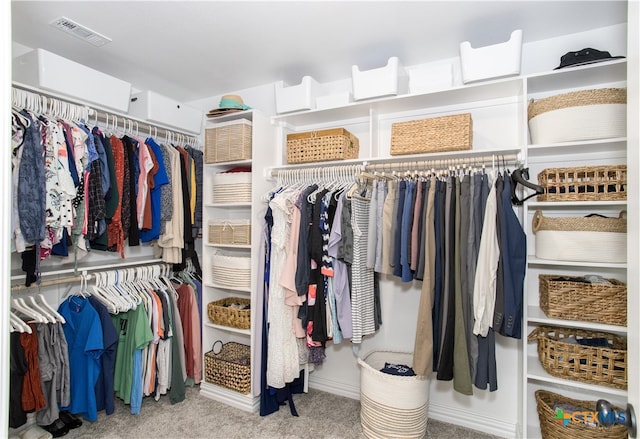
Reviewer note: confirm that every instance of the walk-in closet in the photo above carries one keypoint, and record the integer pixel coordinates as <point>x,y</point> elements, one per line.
<point>338,219</point>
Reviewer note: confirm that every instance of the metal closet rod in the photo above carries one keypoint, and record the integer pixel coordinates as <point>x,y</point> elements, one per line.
<point>128,124</point>
<point>497,160</point>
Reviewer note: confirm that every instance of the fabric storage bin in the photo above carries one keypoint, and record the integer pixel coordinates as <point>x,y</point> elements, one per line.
<point>579,115</point>
<point>584,183</point>
<point>230,367</point>
<point>234,232</point>
<point>231,271</point>
<point>228,141</point>
<point>389,80</point>
<point>547,405</point>
<point>392,406</point>
<point>436,134</point>
<point>581,239</point>
<point>571,298</point>
<point>562,355</point>
<point>322,145</point>
<point>493,61</point>
<point>230,311</point>
<point>296,97</point>
<point>231,187</point>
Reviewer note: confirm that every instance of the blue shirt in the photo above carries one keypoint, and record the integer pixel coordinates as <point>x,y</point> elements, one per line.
<point>104,387</point>
<point>159,179</point>
<point>83,332</point>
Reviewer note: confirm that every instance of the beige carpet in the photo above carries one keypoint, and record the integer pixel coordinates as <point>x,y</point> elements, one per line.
<point>322,415</point>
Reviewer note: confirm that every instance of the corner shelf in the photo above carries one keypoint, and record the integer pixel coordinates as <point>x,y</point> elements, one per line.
<point>536,315</point>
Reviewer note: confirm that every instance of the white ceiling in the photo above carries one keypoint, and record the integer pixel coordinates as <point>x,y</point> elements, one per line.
<point>189,50</point>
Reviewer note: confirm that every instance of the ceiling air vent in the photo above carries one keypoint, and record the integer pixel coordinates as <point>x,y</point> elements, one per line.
<point>79,31</point>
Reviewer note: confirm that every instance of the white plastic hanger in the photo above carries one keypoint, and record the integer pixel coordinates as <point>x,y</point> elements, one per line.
<point>58,317</point>
<point>20,305</point>
<point>19,324</point>
<point>47,315</point>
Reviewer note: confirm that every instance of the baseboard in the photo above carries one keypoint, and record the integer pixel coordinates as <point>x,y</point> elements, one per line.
<point>247,402</point>
<point>475,421</point>
<point>335,387</point>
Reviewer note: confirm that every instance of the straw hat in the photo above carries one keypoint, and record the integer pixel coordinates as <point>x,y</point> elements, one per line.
<point>228,104</point>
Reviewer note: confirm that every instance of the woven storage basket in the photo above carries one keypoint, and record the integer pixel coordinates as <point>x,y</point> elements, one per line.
<point>554,428</point>
<point>582,239</point>
<point>579,115</point>
<point>321,146</point>
<point>392,406</point>
<point>229,367</point>
<point>606,366</point>
<point>231,271</point>
<point>234,232</point>
<point>228,141</point>
<point>222,312</point>
<point>567,297</point>
<point>231,187</point>
<point>585,183</point>
<point>436,134</point>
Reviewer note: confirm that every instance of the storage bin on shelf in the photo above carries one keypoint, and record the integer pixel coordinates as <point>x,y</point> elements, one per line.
<point>391,405</point>
<point>435,134</point>
<point>584,183</point>
<point>322,145</point>
<point>228,141</point>
<point>562,355</point>
<point>493,61</point>
<point>231,231</point>
<point>593,238</point>
<point>296,97</point>
<point>231,271</point>
<point>572,298</point>
<point>430,77</point>
<point>229,367</point>
<point>579,115</point>
<point>578,426</point>
<point>230,311</point>
<point>389,80</point>
<point>231,187</point>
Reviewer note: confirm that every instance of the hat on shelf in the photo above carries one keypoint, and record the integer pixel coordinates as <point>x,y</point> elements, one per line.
<point>584,56</point>
<point>228,104</point>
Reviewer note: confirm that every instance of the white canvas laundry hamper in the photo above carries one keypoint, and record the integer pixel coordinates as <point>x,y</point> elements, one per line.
<point>391,406</point>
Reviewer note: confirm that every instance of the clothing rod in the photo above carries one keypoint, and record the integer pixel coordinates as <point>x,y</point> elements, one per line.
<point>129,124</point>
<point>49,283</point>
<point>488,160</point>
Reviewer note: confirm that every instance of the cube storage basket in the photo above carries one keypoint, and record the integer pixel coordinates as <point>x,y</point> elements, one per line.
<point>228,141</point>
<point>230,232</point>
<point>436,134</point>
<point>229,367</point>
<point>321,146</point>
<point>224,312</point>
<point>552,429</point>
<point>562,356</point>
<point>584,183</point>
<point>392,406</point>
<point>579,115</point>
<point>571,298</point>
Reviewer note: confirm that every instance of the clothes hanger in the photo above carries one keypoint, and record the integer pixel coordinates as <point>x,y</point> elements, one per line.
<point>58,317</point>
<point>20,305</point>
<point>521,176</point>
<point>49,317</point>
<point>19,324</point>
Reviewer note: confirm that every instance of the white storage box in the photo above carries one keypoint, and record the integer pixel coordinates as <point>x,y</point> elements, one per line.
<point>154,107</point>
<point>231,187</point>
<point>385,81</point>
<point>493,61</point>
<point>296,97</point>
<point>430,78</point>
<point>333,100</point>
<point>231,271</point>
<point>48,71</point>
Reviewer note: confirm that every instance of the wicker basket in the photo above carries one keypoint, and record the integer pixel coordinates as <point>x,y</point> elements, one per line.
<point>321,146</point>
<point>222,312</point>
<point>579,115</point>
<point>228,141</point>
<point>233,232</point>
<point>436,134</point>
<point>586,183</point>
<point>606,366</point>
<point>569,298</point>
<point>229,367</point>
<point>554,428</point>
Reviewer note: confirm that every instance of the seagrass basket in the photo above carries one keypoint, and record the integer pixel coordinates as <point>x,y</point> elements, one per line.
<point>322,145</point>
<point>435,134</point>
<point>234,232</point>
<point>562,356</point>
<point>569,298</point>
<point>228,141</point>
<point>230,311</point>
<point>554,428</point>
<point>584,183</point>
<point>230,367</point>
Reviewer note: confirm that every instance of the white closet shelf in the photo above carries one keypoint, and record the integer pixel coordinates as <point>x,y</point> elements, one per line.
<point>246,332</point>
<point>232,163</point>
<point>532,260</point>
<point>247,114</point>
<point>225,287</point>
<point>577,77</point>
<point>247,246</point>
<point>565,204</point>
<point>537,316</point>
<point>227,205</point>
<point>616,145</point>
<point>535,372</point>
